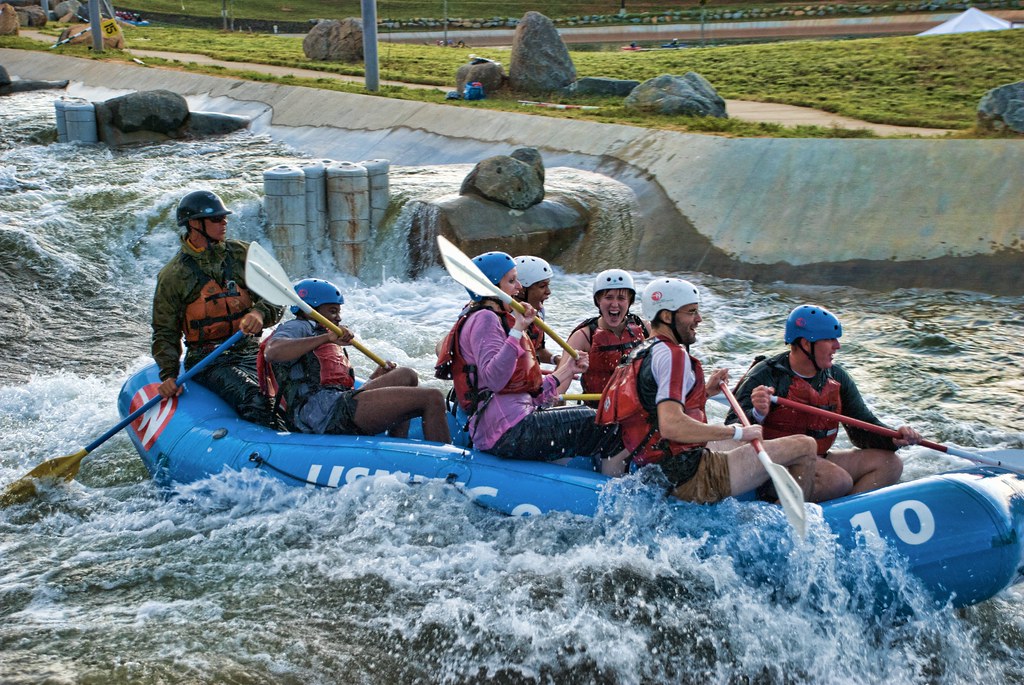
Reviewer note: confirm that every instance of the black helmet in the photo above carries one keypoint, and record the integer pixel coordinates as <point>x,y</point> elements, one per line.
<point>200,204</point>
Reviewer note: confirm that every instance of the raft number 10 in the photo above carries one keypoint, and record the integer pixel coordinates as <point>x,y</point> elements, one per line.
<point>900,523</point>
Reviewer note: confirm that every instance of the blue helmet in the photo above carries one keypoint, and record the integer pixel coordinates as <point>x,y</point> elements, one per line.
<point>494,266</point>
<point>316,292</point>
<point>812,323</point>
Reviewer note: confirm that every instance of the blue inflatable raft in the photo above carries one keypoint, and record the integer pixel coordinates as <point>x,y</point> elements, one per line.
<point>960,531</point>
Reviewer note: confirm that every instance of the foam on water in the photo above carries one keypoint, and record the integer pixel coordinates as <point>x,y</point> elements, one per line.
<point>240,578</point>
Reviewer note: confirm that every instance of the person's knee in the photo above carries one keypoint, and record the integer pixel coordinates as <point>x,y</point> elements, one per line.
<point>405,376</point>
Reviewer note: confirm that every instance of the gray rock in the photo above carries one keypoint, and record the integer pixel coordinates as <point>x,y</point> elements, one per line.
<point>31,16</point>
<point>215,124</point>
<point>531,156</point>
<point>540,62</point>
<point>477,225</point>
<point>505,180</point>
<point>143,117</point>
<point>601,85</point>
<point>689,95</point>
<point>67,7</point>
<point>490,74</point>
<point>1003,108</point>
<point>335,41</point>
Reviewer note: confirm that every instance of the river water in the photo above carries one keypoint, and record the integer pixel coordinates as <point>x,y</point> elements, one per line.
<point>241,579</point>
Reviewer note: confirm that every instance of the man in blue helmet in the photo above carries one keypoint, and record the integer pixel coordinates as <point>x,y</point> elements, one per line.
<point>306,367</point>
<point>807,374</point>
<point>498,382</point>
<point>201,296</point>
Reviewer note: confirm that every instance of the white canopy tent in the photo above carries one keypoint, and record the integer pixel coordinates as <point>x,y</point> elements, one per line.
<point>969,20</point>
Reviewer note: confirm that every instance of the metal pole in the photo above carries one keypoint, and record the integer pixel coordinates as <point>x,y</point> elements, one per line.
<point>702,11</point>
<point>372,67</point>
<point>224,13</point>
<point>446,23</point>
<point>96,25</point>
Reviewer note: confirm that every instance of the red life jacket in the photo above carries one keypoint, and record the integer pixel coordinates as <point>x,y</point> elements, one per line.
<point>451,365</point>
<point>782,421</point>
<point>629,400</point>
<point>214,315</point>
<point>607,350</point>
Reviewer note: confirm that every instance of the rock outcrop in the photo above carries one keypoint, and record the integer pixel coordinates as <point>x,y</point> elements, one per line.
<point>335,41</point>
<point>1002,108</point>
<point>540,62</point>
<point>689,95</point>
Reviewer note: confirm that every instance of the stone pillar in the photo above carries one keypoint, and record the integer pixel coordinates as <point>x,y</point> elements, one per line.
<point>380,191</point>
<point>348,210</point>
<point>284,205</point>
<point>80,121</point>
<point>316,203</point>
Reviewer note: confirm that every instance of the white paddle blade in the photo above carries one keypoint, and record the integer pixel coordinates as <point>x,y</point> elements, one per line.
<point>268,280</point>
<point>791,497</point>
<point>1003,458</point>
<point>466,273</point>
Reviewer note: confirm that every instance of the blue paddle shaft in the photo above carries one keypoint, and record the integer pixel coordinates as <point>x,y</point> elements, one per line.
<point>180,381</point>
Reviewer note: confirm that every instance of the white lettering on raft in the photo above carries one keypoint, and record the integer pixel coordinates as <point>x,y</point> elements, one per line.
<point>900,523</point>
<point>357,472</point>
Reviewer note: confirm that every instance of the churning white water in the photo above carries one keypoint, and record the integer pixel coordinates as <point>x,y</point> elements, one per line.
<point>243,579</point>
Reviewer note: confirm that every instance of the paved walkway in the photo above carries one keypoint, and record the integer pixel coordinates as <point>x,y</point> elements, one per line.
<point>743,110</point>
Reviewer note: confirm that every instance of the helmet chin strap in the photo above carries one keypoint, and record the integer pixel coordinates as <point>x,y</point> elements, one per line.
<point>810,355</point>
<point>675,331</point>
<point>202,232</point>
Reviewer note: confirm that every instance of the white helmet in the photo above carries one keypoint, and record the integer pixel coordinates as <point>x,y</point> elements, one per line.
<point>613,279</point>
<point>668,293</point>
<point>532,270</point>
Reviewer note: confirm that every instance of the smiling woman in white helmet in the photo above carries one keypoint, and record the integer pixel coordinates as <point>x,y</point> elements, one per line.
<point>535,277</point>
<point>658,394</point>
<point>610,335</point>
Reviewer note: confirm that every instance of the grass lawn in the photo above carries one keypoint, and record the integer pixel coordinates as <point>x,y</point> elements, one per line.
<point>933,82</point>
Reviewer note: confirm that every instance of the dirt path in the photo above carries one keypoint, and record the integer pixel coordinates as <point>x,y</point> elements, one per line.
<point>743,110</point>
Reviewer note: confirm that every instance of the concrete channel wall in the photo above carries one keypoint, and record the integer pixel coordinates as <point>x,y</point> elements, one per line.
<point>876,214</point>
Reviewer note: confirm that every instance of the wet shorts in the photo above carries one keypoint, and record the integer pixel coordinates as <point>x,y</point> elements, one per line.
<point>550,434</point>
<point>343,416</point>
<point>709,484</point>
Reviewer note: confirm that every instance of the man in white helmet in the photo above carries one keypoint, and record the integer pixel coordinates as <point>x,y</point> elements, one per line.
<point>657,395</point>
<point>610,335</point>
<point>535,277</point>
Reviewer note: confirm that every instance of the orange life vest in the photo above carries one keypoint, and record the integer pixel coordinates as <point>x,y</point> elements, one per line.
<point>782,421</point>
<point>215,314</point>
<point>451,365</point>
<point>629,400</point>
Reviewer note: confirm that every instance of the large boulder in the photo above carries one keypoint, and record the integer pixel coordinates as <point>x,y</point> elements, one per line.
<point>601,85</point>
<point>8,20</point>
<point>335,41</point>
<point>540,62</point>
<point>689,95</point>
<point>31,16</point>
<point>506,180</point>
<point>143,117</point>
<point>1002,108</point>
<point>68,8</point>
<point>490,74</point>
<point>81,34</point>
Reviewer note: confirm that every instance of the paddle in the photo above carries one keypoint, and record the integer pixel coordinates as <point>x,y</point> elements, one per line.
<point>1009,459</point>
<point>584,397</point>
<point>791,497</point>
<point>468,274</point>
<point>67,467</point>
<point>266,277</point>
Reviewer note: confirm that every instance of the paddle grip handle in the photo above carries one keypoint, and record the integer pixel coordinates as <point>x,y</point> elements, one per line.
<point>738,410</point>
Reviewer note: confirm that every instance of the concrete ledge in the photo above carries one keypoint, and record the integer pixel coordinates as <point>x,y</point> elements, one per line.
<point>877,214</point>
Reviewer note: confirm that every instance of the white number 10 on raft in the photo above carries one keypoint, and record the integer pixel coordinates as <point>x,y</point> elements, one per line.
<point>900,524</point>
